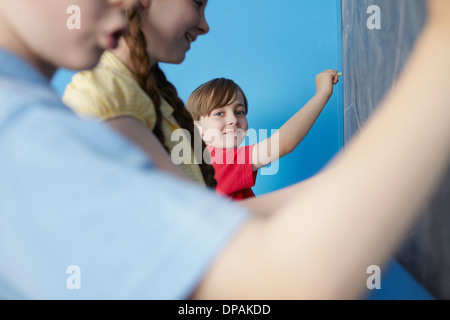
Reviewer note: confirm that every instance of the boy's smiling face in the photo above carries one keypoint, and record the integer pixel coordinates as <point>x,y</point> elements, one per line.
<point>225,127</point>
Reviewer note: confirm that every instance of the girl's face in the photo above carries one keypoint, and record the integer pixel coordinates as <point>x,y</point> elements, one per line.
<point>225,127</point>
<point>170,26</point>
<point>67,33</point>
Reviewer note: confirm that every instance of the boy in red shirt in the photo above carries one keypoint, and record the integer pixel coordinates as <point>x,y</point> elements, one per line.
<point>219,108</point>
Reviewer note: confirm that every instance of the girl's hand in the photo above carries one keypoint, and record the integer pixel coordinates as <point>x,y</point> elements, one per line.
<point>325,81</point>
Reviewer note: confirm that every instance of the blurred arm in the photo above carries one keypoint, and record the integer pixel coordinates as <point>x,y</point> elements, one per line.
<point>354,214</point>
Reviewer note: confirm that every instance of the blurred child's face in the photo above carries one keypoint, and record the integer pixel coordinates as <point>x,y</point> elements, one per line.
<point>225,127</point>
<point>170,26</point>
<point>67,33</point>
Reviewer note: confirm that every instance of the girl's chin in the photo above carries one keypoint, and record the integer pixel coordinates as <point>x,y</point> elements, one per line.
<point>174,60</point>
<point>84,62</point>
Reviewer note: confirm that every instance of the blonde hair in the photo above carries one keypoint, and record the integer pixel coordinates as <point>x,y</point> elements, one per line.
<point>154,82</point>
<point>212,95</point>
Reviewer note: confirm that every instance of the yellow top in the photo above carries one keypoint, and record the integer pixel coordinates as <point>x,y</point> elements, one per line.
<point>110,91</point>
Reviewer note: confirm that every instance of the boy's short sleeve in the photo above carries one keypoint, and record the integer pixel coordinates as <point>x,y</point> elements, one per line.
<point>105,94</point>
<point>233,168</point>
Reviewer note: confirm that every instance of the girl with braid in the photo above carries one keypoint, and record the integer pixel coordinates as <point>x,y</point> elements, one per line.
<point>130,92</point>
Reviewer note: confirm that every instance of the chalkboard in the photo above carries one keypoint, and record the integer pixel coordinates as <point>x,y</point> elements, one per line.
<point>377,38</point>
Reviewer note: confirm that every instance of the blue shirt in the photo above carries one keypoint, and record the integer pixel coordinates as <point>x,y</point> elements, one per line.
<point>83,212</point>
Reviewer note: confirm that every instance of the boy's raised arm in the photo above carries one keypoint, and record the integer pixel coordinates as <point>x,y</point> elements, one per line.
<point>289,136</point>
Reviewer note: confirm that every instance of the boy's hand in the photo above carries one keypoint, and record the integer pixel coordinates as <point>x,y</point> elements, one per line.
<point>325,81</point>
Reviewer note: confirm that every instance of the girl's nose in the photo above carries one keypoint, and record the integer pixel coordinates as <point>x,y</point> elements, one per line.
<point>203,26</point>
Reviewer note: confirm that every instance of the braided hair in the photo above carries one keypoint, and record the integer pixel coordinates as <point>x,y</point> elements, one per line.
<point>154,82</point>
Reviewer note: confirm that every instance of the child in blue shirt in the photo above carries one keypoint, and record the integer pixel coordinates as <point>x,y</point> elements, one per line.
<point>68,186</point>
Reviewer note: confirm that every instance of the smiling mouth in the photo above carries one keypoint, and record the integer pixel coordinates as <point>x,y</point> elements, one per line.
<point>190,38</point>
<point>112,40</point>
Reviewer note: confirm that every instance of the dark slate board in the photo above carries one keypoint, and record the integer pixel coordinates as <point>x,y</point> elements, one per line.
<point>372,61</point>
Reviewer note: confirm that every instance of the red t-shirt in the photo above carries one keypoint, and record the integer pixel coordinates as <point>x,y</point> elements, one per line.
<point>234,171</point>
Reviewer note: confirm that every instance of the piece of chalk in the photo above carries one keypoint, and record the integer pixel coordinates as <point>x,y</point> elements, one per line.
<point>340,74</point>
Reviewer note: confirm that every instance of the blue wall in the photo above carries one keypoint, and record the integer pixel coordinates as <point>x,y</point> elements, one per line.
<point>273,50</point>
